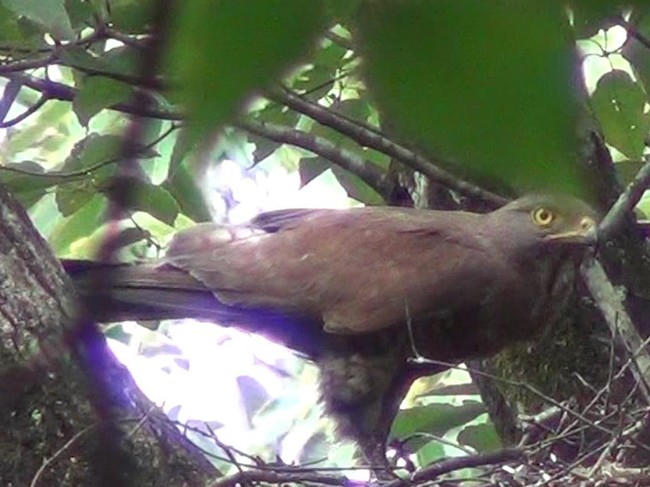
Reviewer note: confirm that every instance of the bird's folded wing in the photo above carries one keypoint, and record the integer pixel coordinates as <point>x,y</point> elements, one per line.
<point>275,221</point>
<point>360,270</point>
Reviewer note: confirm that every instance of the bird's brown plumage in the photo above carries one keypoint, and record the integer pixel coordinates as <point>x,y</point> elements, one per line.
<point>353,288</point>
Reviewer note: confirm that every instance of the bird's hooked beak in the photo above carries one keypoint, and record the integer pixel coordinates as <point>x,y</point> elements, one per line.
<point>585,233</point>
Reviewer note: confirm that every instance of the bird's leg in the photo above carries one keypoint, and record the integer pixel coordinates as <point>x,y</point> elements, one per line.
<point>417,357</point>
<point>418,363</point>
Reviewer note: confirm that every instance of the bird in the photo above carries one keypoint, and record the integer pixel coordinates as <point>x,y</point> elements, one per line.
<point>362,291</point>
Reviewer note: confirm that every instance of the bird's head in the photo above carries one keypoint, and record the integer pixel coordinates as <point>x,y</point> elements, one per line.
<point>544,221</point>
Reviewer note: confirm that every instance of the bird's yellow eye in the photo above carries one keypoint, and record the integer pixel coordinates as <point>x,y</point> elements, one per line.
<point>543,217</point>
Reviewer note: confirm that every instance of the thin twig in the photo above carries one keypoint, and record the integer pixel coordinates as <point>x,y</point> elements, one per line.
<point>339,39</point>
<point>139,43</point>
<point>228,451</point>
<point>441,467</point>
<point>16,66</point>
<point>63,92</point>
<point>9,95</point>
<point>58,453</point>
<point>529,388</point>
<point>27,113</point>
<point>439,439</point>
<point>66,176</point>
<point>297,477</point>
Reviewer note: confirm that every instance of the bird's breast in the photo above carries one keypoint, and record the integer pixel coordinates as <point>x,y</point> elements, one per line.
<point>513,310</point>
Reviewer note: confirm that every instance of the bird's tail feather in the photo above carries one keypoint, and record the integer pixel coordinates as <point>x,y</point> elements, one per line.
<point>120,292</point>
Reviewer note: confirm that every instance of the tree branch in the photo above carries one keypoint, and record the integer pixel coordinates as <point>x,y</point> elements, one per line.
<point>371,138</point>
<point>59,91</point>
<point>365,136</point>
<point>368,172</point>
<point>610,303</point>
<point>26,64</point>
<point>9,95</point>
<point>26,114</point>
<point>441,467</point>
<point>625,203</point>
<point>633,32</point>
<point>298,477</point>
<point>339,39</point>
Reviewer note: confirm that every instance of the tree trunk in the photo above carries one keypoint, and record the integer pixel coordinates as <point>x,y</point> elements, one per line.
<point>69,412</point>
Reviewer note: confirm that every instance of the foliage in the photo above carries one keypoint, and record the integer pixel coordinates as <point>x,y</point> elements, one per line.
<point>464,92</point>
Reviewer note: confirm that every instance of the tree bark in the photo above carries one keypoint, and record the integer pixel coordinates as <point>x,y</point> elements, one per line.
<point>60,425</point>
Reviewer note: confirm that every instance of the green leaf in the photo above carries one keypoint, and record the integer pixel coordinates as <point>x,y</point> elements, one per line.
<point>627,170</point>
<point>224,50</point>
<point>53,117</point>
<point>181,183</point>
<point>430,452</point>
<point>485,85</point>
<point>143,196</point>
<point>81,12</point>
<point>95,153</point>
<point>342,8</point>
<point>157,230</point>
<point>436,419</point>
<point>71,197</point>
<point>376,157</point>
<point>263,147</point>
<point>121,61</point>
<point>15,32</point>
<point>181,152</point>
<point>317,76</point>
<point>357,188</point>
<point>618,103</point>
<point>482,437</point>
<point>27,188</point>
<point>156,201</point>
<point>254,396</point>
<point>182,186</point>
<point>79,225</point>
<point>311,167</point>
<point>330,55</point>
<point>277,114</point>
<point>604,5</point>
<point>51,14</point>
<point>132,16</point>
<point>644,206</point>
<point>131,243</point>
<point>589,17</point>
<point>8,24</point>
<point>93,150</point>
<point>315,449</point>
<point>354,108</point>
<point>117,332</point>
<point>99,150</point>
<point>98,93</point>
<point>45,215</point>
